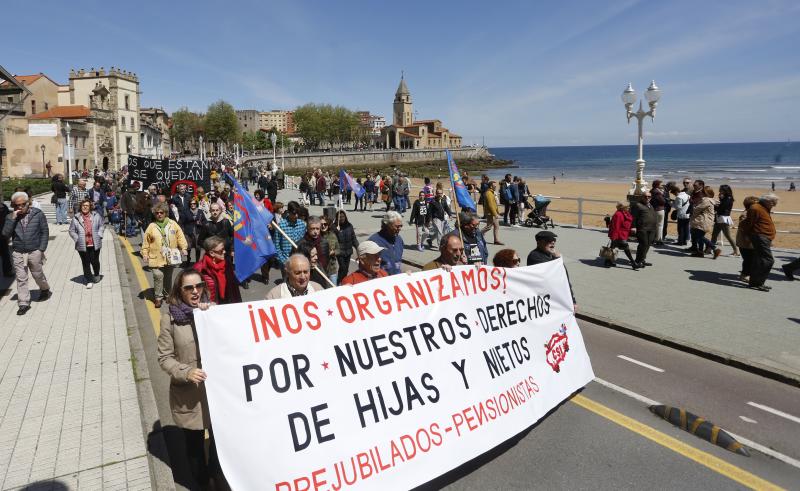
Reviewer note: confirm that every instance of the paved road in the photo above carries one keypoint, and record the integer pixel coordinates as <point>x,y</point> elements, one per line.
<point>575,447</point>
<point>693,302</point>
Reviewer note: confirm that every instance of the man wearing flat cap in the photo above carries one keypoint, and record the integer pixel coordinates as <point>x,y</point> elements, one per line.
<point>546,251</point>
<point>369,264</point>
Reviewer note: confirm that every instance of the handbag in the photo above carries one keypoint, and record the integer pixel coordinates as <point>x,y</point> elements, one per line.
<point>673,215</point>
<point>53,199</point>
<point>608,253</point>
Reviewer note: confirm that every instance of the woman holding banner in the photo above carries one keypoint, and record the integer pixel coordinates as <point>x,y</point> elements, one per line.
<point>179,357</point>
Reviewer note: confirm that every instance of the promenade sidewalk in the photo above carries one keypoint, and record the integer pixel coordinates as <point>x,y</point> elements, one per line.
<point>69,412</point>
<point>696,303</point>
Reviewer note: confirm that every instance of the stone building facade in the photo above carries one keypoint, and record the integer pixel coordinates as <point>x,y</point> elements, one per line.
<point>406,133</point>
<point>248,120</point>
<point>154,124</point>
<point>113,98</point>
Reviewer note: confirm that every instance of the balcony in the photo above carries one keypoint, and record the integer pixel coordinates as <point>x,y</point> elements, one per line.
<point>15,108</point>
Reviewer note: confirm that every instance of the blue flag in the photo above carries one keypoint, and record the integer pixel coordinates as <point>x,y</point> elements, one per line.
<point>252,242</point>
<point>462,195</point>
<point>346,182</point>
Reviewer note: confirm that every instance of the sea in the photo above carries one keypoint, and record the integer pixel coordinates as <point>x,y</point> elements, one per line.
<point>750,164</point>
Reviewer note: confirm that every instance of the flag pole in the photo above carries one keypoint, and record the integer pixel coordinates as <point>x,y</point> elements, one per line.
<point>294,245</point>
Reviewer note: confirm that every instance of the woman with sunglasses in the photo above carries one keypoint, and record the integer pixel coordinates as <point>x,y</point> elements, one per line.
<point>161,238</point>
<point>506,258</point>
<point>179,357</point>
<point>217,271</point>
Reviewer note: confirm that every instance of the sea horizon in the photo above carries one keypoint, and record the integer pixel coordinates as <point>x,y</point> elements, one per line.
<point>753,163</point>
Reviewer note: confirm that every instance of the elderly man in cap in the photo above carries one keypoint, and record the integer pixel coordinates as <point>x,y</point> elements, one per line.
<point>298,279</point>
<point>761,229</point>
<point>546,251</point>
<point>369,264</point>
<point>28,231</point>
<point>451,253</point>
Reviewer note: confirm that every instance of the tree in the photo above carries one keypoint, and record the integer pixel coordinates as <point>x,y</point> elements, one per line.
<point>186,126</point>
<point>323,125</point>
<point>221,125</point>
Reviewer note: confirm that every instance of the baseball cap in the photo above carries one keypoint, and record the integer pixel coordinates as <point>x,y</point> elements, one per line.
<point>369,247</point>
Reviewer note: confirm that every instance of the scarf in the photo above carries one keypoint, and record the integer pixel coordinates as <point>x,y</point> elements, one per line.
<point>181,313</point>
<point>216,269</point>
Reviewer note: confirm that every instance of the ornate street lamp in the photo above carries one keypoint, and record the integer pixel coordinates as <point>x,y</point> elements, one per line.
<point>68,153</point>
<point>653,94</point>
<point>273,138</point>
<point>44,169</point>
<point>201,149</point>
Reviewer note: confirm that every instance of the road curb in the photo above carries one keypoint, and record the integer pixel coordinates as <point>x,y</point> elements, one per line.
<point>160,471</point>
<point>687,347</point>
<point>694,349</point>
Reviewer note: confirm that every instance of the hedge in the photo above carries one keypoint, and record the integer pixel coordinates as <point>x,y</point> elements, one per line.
<point>37,185</point>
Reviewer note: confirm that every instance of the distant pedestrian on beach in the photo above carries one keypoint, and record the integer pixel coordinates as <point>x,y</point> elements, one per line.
<point>554,179</point>
<point>743,241</point>
<point>619,231</point>
<point>722,221</point>
<point>773,186</point>
<point>762,233</point>
<point>792,187</point>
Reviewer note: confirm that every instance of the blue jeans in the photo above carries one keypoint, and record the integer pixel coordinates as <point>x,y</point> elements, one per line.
<point>130,225</point>
<point>400,204</point>
<point>699,238</point>
<point>61,211</point>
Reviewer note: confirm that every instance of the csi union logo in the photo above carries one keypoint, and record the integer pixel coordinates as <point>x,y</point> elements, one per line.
<point>456,176</point>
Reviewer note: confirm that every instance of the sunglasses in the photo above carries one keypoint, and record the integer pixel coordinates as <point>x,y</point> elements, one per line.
<point>190,288</point>
<point>218,251</point>
<point>323,225</point>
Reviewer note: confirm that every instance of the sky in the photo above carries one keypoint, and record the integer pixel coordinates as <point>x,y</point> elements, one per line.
<point>509,73</point>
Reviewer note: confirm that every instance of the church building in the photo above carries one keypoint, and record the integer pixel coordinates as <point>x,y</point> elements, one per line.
<point>406,133</point>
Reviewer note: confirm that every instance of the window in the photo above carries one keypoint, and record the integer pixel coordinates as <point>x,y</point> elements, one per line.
<point>123,122</point>
<point>128,144</point>
<point>127,102</point>
<point>10,99</point>
<point>33,106</point>
<point>133,124</point>
<point>46,106</point>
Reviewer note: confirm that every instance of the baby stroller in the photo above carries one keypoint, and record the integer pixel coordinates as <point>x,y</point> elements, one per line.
<point>538,217</point>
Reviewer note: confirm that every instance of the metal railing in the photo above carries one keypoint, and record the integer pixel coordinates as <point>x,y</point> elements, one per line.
<point>581,213</point>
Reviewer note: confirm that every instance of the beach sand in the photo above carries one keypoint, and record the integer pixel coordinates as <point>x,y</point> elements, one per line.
<point>789,202</point>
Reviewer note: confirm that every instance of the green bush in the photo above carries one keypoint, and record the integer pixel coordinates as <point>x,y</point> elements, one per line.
<point>37,185</point>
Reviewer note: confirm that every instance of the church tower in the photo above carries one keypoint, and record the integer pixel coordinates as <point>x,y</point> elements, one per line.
<point>403,108</point>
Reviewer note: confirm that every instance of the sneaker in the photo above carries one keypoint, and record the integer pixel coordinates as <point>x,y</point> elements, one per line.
<point>787,272</point>
<point>717,252</point>
<point>420,248</point>
<point>44,295</point>
<point>23,309</point>
<point>89,285</point>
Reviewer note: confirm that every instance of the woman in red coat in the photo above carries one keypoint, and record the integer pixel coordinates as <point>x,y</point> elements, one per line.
<point>217,272</point>
<point>619,231</point>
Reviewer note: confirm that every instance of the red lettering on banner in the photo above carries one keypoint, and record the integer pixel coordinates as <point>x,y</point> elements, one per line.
<point>384,307</point>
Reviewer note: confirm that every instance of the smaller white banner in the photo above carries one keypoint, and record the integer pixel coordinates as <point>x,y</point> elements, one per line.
<point>50,129</point>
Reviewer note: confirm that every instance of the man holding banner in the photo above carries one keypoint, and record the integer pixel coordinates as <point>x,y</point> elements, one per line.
<point>389,383</point>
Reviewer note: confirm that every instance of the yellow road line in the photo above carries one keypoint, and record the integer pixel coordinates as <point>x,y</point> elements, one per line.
<point>705,459</point>
<point>152,311</point>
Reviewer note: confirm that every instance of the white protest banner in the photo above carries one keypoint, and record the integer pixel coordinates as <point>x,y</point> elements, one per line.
<point>389,383</point>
